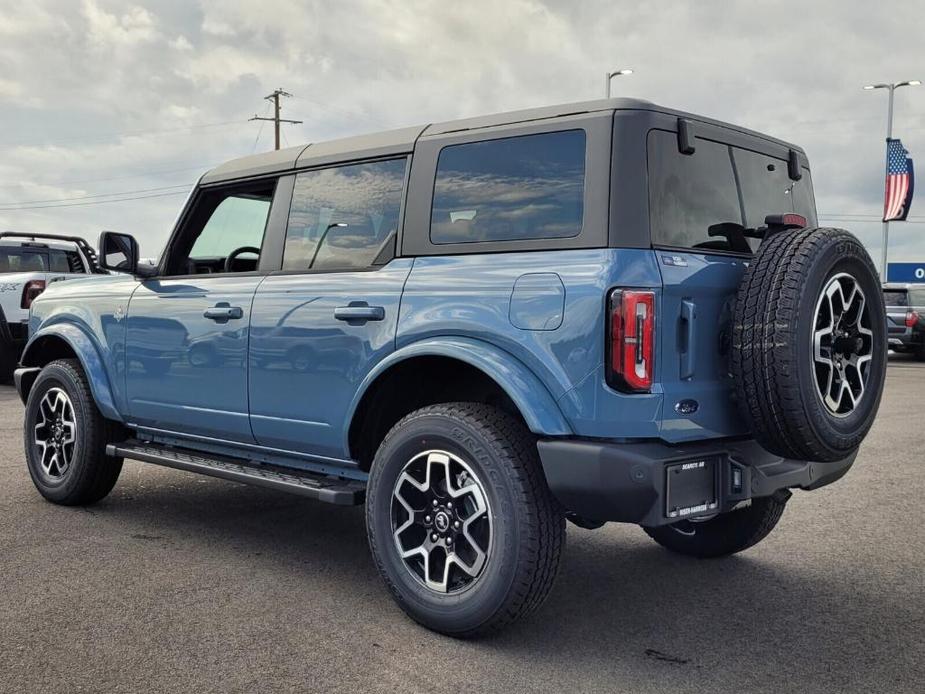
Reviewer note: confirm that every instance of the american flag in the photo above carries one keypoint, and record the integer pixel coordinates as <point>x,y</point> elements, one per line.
<point>899,180</point>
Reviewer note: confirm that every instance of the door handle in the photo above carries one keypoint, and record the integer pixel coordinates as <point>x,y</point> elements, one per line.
<point>222,312</point>
<point>359,313</point>
<point>688,335</point>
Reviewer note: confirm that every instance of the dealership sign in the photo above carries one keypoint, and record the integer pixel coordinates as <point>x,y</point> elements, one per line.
<point>906,272</point>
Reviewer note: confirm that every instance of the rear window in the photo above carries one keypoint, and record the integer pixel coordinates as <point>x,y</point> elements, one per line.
<point>510,189</point>
<point>895,297</point>
<point>22,260</point>
<point>691,197</point>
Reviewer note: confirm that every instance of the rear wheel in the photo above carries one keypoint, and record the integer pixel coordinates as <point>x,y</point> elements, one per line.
<point>65,437</point>
<point>725,534</point>
<point>461,524</point>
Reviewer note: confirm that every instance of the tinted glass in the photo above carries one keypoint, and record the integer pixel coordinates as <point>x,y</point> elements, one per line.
<point>21,260</point>
<point>895,298</point>
<point>767,189</point>
<point>341,217</point>
<point>718,184</point>
<point>688,194</point>
<point>917,297</point>
<point>238,221</point>
<point>510,189</point>
<point>63,261</point>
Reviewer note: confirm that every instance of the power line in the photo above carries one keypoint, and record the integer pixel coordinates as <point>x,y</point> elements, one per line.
<point>143,174</point>
<point>274,98</point>
<point>95,202</point>
<point>186,186</point>
<point>131,133</point>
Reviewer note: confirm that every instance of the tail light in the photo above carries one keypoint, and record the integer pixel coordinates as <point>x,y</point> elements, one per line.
<point>912,318</point>
<point>32,289</point>
<point>631,347</point>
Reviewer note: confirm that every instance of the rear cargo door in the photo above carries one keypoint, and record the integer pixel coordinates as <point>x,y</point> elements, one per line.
<point>699,206</point>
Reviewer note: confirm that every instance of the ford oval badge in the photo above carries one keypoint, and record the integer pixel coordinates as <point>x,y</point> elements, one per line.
<point>687,407</point>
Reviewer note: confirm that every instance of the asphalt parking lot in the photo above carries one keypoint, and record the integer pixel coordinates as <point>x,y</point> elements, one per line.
<point>182,583</point>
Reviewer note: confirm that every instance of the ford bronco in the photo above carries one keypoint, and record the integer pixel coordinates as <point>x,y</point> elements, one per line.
<point>604,311</point>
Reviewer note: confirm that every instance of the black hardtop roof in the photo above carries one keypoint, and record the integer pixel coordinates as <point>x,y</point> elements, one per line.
<point>401,141</point>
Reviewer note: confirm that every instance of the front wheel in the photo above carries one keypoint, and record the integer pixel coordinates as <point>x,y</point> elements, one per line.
<point>461,524</point>
<point>726,533</point>
<point>65,438</point>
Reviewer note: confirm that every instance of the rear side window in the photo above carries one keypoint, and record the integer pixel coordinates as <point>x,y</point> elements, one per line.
<point>342,216</point>
<point>895,297</point>
<point>510,189</point>
<point>64,261</point>
<point>694,198</point>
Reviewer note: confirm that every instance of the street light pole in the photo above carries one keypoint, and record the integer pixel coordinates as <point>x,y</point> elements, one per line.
<point>608,76</point>
<point>891,87</point>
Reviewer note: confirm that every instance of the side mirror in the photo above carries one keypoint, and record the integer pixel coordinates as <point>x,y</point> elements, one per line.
<point>118,252</point>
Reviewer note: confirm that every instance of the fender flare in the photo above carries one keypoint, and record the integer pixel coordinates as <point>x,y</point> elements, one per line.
<point>531,397</point>
<point>89,356</point>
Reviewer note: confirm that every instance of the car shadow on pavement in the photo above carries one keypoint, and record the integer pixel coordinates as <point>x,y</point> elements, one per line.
<point>621,604</point>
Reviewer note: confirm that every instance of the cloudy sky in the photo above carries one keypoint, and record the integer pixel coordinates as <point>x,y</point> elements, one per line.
<point>106,100</point>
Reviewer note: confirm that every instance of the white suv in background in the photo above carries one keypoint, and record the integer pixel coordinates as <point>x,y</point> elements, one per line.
<point>28,264</point>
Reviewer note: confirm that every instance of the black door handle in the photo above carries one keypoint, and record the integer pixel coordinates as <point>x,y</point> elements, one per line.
<point>359,313</point>
<point>222,312</point>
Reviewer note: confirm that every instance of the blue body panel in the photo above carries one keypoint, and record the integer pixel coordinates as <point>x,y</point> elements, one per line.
<point>287,376</point>
<point>88,315</point>
<point>471,296</point>
<point>186,372</point>
<point>306,365</point>
<point>696,328</point>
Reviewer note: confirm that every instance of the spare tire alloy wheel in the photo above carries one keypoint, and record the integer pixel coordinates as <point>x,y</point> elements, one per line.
<point>55,433</point>
<point>441,521</point>
<point>842,344</point>
<point>808,355</point>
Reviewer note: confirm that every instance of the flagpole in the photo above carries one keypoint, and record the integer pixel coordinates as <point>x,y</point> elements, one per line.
<point>886,169</point>
<point>892,86</point>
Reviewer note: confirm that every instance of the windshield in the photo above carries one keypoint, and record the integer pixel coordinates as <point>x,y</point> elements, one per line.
<point>704,200</point>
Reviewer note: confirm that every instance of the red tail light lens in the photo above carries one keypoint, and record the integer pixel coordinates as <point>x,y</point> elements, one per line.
<point>631,359</point>
<point>912,317</point>
<point>32,289</point>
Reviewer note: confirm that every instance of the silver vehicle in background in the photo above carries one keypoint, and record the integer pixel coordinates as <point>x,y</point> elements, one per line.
<point>905,308</point>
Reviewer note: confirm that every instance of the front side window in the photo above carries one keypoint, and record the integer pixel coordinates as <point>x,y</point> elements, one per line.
<point>224,232</point>
<point>341,217</point>
<point>510,189</point>
<point>895,297</point>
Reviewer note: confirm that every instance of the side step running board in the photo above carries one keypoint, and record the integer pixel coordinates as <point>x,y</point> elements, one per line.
<point>333,490</point>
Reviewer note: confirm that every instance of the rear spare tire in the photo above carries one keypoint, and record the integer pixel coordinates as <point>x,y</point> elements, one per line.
<point>809,344</point>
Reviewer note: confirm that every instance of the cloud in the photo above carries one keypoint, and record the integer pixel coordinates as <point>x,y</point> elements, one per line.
<point>122,90</point>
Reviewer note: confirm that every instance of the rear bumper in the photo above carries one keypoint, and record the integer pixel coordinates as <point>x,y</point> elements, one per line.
<point>628,482</point>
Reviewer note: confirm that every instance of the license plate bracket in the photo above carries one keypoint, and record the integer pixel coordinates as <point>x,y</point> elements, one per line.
<point>691,488</point>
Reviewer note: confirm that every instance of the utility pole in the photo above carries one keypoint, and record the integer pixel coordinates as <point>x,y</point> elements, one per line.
<point>274,97</point>
<point>892,87</point>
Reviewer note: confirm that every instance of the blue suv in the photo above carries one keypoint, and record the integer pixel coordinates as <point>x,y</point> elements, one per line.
<point>604,311</point>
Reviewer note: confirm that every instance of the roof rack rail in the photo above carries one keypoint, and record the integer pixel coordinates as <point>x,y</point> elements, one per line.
<point>80,242</point>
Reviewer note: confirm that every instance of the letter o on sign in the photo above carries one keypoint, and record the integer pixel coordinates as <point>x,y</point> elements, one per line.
<point>920,273</point>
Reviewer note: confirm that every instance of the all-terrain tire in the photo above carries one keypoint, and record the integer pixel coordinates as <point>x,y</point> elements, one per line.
<point>773,360</point>
<point>88,474</point>
<point>725,534</point>
<point>527,524</point>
